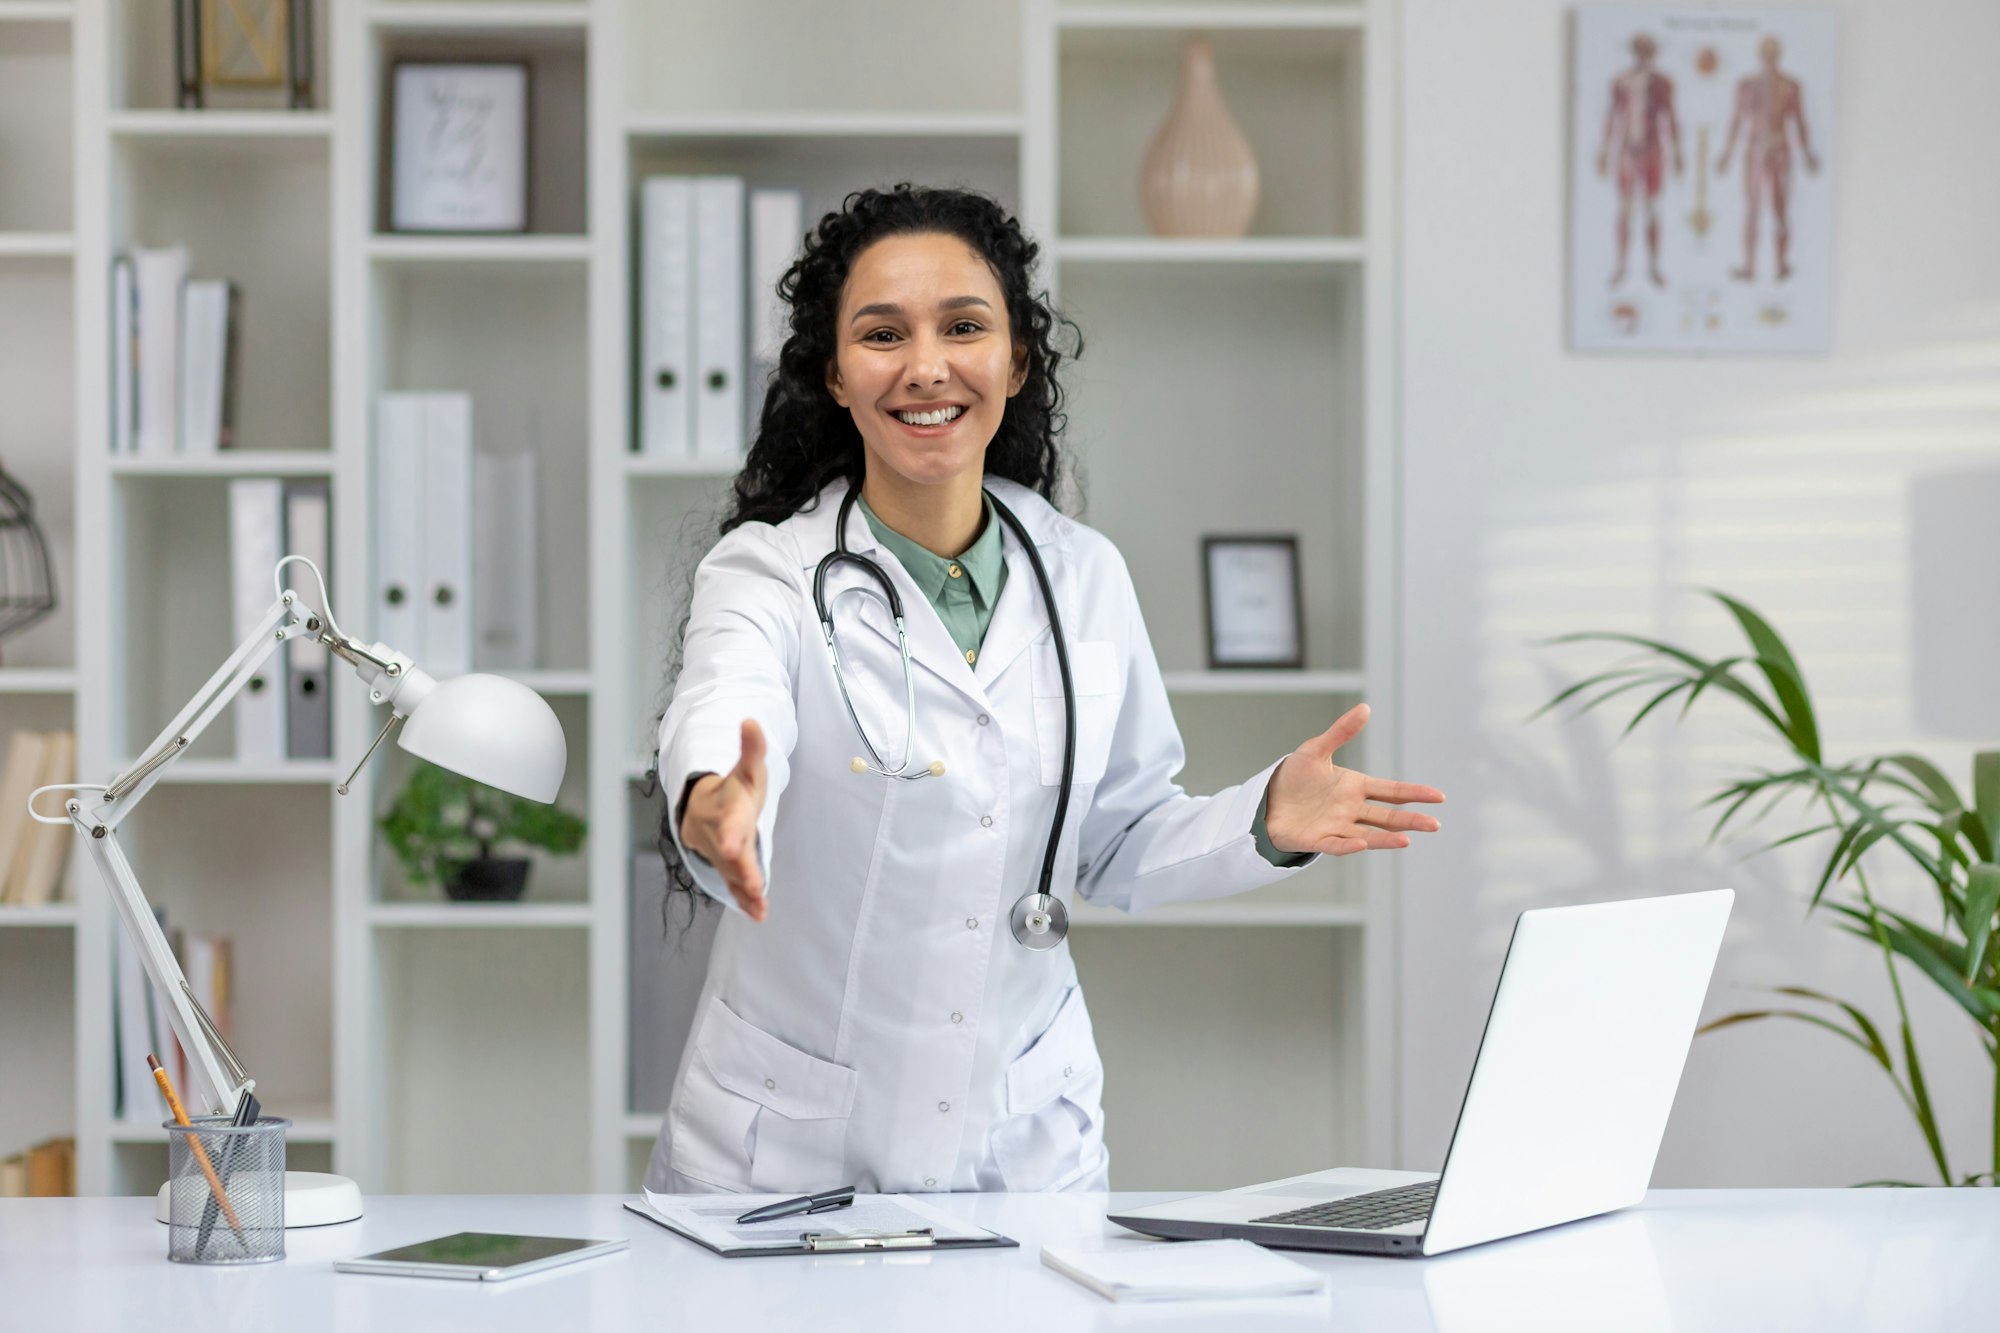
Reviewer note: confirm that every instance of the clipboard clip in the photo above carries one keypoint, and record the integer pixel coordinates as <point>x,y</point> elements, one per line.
<point>824,1242</point>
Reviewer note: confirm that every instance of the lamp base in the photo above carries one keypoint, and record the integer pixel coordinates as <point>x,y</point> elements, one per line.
<point>312,1199</point>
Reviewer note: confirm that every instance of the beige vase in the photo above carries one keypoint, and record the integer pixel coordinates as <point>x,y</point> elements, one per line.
<point>1200,177</point>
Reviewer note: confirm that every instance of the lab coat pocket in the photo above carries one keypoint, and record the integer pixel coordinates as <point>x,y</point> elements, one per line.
<point>755,1113</point>
<point>1093,666</point>
<point>1053,1135</point>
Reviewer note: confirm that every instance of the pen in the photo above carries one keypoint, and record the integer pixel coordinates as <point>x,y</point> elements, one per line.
<point>200,1153</point>
<point>805,1203</point>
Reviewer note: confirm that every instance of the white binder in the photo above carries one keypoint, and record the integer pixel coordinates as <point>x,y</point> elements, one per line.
<point>777,226</point>
<point>124,363</point>
<point>666,240</point>
<point>158,276</point>
<point>447,497</point>
<point>308,700</point>
<point>256,534</point>
<point>718,317</point>
<point>399,522</point>
<point>504,561</point>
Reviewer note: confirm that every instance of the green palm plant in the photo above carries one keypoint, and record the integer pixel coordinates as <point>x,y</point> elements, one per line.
<point>1897,801</point>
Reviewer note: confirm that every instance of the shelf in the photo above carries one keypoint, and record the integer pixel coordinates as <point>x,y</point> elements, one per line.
<point>1212,16</point>
<point>37,245</point>
<point>312,1122</point>
<point>1264,682</point>
<point>528,250</point>
<point>646,465</point>
<point>35,11</point>
<point>188,772</point>
<point>53,914</point>
<point>448,915</point>
<point>823,125</point>
<point>227,463</point>
<point>220,124</point>
<point>480,18</point>
<point>1227,913</point>
<point>37,680</point>
<point>1302,250</point>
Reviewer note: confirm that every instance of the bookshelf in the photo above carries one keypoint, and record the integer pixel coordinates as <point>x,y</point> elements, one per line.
<point>375,1015</point>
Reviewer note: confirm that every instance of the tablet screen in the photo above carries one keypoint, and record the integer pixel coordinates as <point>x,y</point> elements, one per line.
<point>481,1249</point>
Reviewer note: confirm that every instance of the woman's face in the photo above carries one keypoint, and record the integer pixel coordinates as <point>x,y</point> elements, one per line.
<point>924,358</point>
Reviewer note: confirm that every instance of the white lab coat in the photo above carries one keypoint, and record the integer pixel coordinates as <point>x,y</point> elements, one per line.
<point>882,1027</point>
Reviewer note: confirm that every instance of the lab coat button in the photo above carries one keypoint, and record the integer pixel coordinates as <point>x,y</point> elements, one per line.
<point>972,923</point>
<point>986,821</point>
<point>772,1083</point>
<point>983,719</point>
<point>1066,1070</point>
<point>930,1182</point>
<point>957,1017</point>
<point>944,1106</point>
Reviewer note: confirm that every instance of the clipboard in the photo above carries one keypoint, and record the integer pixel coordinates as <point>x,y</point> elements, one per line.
<point>811,1242</point>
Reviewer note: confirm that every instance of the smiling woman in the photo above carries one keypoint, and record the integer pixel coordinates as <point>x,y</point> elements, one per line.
<point>881,1024</point>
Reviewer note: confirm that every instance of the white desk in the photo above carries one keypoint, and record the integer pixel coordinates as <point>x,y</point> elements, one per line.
<point>1771,1261</point>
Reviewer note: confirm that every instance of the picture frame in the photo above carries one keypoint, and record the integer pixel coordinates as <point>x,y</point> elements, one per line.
<point>1253,604</point>
<point>459,146</point>
<point>243,46</point>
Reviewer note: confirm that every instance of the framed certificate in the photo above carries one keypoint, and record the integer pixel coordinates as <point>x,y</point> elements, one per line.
<point>1255,608</point>
<point>459,155</point>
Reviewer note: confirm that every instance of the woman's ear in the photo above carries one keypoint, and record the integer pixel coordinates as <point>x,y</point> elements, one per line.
<point>833,382</point>
<point>1018,376</point>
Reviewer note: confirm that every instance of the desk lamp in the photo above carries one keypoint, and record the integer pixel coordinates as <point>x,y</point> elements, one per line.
<point>488,728</point>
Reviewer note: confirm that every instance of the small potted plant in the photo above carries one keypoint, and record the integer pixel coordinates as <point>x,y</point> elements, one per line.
<point>444,827</point>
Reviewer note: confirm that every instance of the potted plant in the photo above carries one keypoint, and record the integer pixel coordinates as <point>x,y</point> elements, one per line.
<point>1893,801</point>
<point>444,828</point>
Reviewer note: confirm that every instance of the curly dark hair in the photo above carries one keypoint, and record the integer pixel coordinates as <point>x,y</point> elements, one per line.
<point>805,439</point>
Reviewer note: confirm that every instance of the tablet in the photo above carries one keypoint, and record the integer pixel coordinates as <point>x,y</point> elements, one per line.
<point>479,1256</point>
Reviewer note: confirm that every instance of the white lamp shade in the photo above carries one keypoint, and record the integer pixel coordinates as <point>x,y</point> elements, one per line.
<point>492,730</point>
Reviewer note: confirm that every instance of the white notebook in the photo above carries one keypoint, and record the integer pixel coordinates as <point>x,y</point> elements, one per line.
<point>1184,1270</point>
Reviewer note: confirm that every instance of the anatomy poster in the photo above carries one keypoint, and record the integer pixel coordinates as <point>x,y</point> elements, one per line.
<point>1701,179</point>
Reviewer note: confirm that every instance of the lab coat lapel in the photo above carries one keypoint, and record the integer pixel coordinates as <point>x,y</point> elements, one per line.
<point>1021,618</point>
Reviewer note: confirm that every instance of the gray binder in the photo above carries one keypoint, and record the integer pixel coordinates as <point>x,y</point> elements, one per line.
<point>308,701</point>
<point>668,963</point>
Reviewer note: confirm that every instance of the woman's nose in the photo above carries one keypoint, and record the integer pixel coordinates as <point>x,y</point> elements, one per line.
<point>927,363</point>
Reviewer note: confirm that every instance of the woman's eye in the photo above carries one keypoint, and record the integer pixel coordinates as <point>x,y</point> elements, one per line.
<point>878,335</point>
<point>965,326</point>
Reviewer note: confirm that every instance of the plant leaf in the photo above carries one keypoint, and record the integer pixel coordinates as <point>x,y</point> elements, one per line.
<point>1787,682</point>
<point>1876,1046</point>
<point>1926,1120</point>
<point>1986,796</point>
<point>1653,703</point>
<point>1583,685</point>
<point>1943,796</point>
<point>1982,897</point>
<point>1685,658</point>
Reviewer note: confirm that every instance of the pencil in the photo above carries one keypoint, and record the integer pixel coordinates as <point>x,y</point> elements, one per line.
<point>194,1141</point>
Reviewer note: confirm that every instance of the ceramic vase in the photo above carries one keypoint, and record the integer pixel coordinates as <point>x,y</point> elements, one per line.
<point>1200,177</point>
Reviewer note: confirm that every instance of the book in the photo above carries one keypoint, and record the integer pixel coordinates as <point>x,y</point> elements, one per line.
<point>25,754</point>
<point>208,353</point>
<point>52,1168</point>
<point>124,356</point>
<point>37,873</point>
<point>14,1176</point>
<point>1183,1270</point>
<point>158,276</point>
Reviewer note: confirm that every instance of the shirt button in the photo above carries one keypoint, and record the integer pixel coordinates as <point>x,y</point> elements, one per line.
<point>944,1106</point>
<point>953,570</point>
<point>930,1182</point>
<point>1066,1069</point>
<point>983,719</point>
<point>957,1017</point>
<point>986,821</point>
<point>771,1083</point>
<point>971,656</point>
<point>972,923</point>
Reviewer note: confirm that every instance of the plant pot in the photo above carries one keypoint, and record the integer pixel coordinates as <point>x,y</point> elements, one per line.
<point>495,879</point>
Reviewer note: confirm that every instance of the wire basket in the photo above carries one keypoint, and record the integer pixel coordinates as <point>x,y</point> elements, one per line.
<point>27,579</point>
<point>242,1221</point>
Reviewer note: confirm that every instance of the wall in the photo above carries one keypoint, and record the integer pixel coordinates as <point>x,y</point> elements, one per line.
<point>1546,492</point>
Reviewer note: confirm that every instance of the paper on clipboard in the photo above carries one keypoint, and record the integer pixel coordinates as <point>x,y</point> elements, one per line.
<point>711,1219</point>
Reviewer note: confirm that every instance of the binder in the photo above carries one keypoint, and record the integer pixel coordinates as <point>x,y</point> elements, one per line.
<point>446,611</point>
<point>124,364</point>
<point>664,982</point>
<point>777,225</point>
<point>399,526</point>
<point>819,1240</point>
<point>504,568</point>
<point>666,242</point>
<point>308,700</point>
<point>157,279</point>
<point>256,536</point>
<point>208,380</point>
<point>718,317</point>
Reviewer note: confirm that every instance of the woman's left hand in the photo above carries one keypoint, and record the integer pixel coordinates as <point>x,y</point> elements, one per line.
<point>1315,805</point>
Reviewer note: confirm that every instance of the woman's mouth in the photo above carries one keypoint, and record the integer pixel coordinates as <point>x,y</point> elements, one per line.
<point>935,421</point>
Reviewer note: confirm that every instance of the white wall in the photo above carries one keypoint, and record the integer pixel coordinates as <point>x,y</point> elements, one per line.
<point>1546,492</point>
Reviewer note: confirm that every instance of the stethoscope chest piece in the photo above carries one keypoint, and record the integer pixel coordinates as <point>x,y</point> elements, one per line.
<point>1040,921</point>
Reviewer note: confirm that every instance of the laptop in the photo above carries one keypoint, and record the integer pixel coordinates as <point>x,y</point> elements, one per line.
<point>1563,1115</point>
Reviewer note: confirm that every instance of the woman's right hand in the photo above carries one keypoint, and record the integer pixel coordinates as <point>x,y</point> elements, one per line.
<point>720,823</point>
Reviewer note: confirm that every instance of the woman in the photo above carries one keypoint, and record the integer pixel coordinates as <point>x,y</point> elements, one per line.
<point>871,1015</point>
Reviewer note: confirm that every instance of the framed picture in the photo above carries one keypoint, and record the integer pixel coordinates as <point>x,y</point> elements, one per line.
<point>459,152</point>
<point>1255,609</point>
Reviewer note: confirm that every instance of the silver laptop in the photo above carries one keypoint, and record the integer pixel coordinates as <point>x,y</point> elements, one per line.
<point>1569,1095</point>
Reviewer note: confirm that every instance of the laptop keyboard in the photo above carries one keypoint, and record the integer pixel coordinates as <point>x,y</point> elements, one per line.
<point>1364,1212</point>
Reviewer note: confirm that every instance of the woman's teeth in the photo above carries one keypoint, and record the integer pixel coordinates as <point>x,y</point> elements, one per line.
<point>937,418</point>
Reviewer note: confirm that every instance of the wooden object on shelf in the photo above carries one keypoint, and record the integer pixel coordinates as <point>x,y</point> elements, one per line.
<point>1200,177</point>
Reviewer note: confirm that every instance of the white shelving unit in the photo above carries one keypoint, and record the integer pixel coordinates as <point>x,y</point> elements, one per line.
<point>376,1016</point>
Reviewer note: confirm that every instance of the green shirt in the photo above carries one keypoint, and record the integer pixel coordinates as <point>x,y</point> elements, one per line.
<point>964,591</point>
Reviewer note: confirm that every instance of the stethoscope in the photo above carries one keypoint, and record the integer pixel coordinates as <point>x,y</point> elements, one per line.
<point>1039,919</point>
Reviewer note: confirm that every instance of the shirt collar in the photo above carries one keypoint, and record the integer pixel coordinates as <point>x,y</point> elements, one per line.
<point>980,562</point>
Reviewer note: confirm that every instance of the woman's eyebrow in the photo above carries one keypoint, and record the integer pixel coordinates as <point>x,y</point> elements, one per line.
<point>892,309</point>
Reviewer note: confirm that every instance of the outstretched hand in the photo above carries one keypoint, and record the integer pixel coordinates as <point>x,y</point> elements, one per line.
<point>1315,805</point>
<point>720,823</point>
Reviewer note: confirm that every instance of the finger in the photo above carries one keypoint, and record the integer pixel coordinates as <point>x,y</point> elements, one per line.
<point>1344,729</point>
<point>1336,845</point>
<point>1400,793</point>
<point>750,767</point>
<point>1399,821</point>
<point>750,898</point>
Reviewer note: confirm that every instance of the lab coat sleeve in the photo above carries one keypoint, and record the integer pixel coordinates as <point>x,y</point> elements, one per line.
<point>1145,841</point>
<point>739,661</point>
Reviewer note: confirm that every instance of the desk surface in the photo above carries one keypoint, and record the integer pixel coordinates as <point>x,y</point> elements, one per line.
<point>1824,1260</point>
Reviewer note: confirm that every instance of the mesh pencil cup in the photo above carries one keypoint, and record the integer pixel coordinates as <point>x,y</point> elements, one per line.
<point>226,1192</point>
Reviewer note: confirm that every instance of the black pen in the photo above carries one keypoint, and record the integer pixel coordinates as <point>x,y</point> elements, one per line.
<point>805,1203</point>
